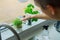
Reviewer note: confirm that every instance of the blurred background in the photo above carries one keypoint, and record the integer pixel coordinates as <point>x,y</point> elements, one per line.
<point>10,9</point>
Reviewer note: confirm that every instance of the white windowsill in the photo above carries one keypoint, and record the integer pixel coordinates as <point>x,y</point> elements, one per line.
<point>8,35</point>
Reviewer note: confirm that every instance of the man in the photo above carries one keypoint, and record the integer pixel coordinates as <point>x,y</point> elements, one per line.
<point>50,8</point>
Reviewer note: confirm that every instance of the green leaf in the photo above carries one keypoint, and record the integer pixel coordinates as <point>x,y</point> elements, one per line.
<point>30,6</point>
<point>35,12</point>
<point>28,10</point>
<point>34,19</point>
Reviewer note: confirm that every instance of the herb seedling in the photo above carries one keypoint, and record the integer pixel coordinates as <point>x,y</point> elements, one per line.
<point>29,10</point>
<point>17,22</point>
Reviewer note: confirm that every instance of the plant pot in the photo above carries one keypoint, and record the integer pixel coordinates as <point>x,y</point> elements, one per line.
<point>17,28</point>
<point>29,22</point>
<point>20,26</point>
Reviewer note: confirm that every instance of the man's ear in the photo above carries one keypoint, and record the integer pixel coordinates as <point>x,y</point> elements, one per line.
<point>51,9</point>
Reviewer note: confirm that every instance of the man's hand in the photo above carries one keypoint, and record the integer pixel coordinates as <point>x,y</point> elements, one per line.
<point>26,17</point>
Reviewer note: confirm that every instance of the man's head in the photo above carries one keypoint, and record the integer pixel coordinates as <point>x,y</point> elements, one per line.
<point>50,7</point>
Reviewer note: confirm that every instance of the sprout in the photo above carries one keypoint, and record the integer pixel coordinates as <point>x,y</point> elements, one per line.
<point>29,10</point>
<point>17,22</point>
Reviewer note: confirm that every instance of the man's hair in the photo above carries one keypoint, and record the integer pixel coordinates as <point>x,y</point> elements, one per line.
<point>44,3</point>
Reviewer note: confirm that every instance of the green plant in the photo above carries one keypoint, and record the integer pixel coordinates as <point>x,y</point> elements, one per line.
<point>29,10</point>
<point>17,22</point>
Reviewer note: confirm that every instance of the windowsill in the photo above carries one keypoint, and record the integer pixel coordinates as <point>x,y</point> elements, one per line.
<point>8,35</point>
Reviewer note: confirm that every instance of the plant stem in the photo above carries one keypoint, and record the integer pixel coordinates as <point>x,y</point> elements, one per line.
<point>29,22</point>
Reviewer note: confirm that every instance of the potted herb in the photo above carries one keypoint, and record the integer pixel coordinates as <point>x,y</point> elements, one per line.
<point>29,10</point>
<point>17,23</point>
